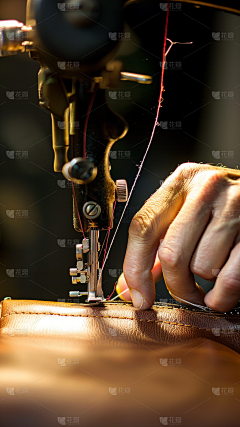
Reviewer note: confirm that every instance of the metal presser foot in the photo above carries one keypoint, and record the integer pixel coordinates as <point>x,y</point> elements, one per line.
<point>87,270</point>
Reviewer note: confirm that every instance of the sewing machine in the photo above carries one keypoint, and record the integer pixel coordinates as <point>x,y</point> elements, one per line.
<point>76,50</point>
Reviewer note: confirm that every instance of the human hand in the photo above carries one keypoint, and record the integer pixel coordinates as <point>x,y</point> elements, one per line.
<point>190,225</point>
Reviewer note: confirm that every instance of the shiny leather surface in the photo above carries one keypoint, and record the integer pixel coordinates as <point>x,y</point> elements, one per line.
<point>163,323</point>
<point>112,365</point>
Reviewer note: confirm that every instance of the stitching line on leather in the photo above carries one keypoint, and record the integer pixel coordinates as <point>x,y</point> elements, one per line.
<point>119,317</point>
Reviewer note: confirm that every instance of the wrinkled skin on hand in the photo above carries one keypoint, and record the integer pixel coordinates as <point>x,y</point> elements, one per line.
<point>190,225</point>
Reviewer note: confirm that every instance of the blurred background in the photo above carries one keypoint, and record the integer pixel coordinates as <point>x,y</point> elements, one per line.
<point>199,122</point>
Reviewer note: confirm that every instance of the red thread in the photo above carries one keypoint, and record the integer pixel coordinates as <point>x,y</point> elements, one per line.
<point>150,141</point>
<point>108,298</point>
<point>86,121</point>
<point>163,66</point>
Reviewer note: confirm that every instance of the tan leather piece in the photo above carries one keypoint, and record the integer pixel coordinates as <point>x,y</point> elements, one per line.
<point>115,366</point>
<point>160,324</point>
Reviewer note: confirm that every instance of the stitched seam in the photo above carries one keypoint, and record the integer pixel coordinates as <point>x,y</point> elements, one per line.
<point>209,314</point>
<point>119,317</point>
<point>157,307</point>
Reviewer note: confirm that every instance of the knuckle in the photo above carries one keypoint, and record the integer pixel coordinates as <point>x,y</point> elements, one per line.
<point>229,208</point>
<point>208,185</point>
<point>182,174</point>
<point>187,176</point>
<point>186,169</point>
<point>137,225</point>
<point>144,223</point>
<point>231,283</point>
<point>234,195</point>
<point>130,270</point>
<point>170,258</point>
<point>212,179</point>
<point>201,270</point>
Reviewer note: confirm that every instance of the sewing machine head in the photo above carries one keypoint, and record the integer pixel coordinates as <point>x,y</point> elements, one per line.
<point>75,43</point>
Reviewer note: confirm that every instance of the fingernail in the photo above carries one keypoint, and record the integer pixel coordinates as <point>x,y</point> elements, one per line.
<point>137,298</point>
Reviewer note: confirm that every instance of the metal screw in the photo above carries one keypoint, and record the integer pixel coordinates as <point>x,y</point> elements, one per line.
<point>91,210</point>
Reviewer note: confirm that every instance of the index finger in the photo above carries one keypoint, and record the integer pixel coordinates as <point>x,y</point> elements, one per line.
<point>147,228</point>
<point>122,288</point>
